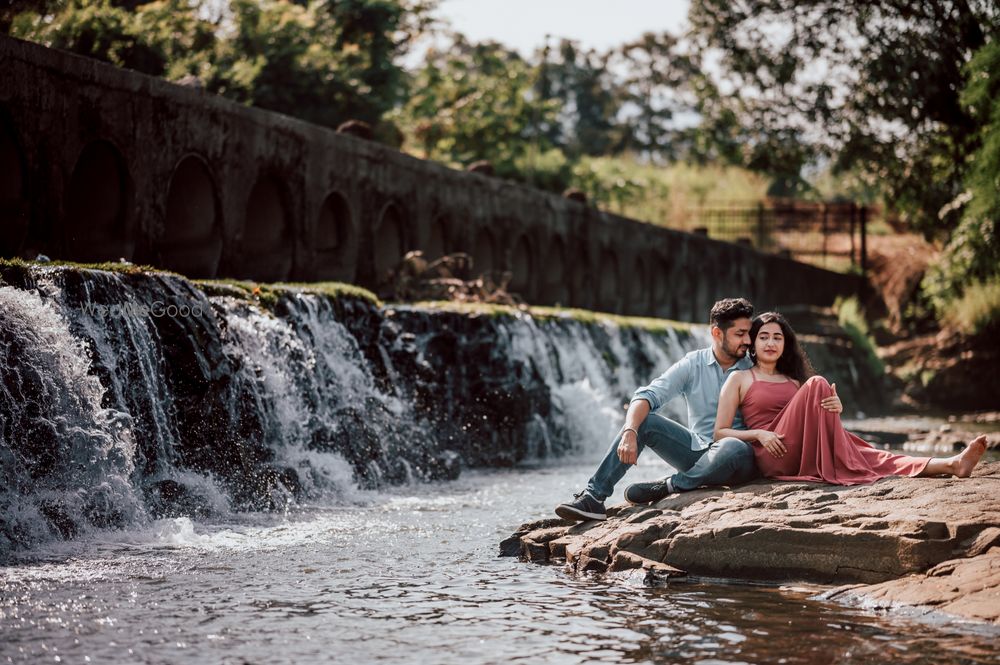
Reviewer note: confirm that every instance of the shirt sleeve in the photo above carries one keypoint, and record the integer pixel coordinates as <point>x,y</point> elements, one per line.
<point>672,383</point>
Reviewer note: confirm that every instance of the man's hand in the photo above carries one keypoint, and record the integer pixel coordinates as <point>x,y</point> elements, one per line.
<point>628,448</point>
<point>832,403</point>
<point>772,442</point>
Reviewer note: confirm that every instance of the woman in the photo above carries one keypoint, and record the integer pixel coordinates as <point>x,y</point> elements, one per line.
<point>794,437</point>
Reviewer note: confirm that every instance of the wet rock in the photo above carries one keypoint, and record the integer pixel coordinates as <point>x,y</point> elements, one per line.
<point>169,498</point>
<point>967,587</point>
<point>59,518</point>
<point>926,541</point>
<point>102,508</point>
<point>447,465</point>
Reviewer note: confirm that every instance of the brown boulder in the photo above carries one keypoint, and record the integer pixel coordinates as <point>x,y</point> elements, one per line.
<point>926,541</point>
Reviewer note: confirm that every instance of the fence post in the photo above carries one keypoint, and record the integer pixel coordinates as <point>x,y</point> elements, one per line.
<point>826,231</point>
<point>761,234</point>
<point>853,209</point>
<point>864,241</point>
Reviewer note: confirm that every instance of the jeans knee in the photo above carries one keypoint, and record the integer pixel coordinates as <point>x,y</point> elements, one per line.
<point>735,451</point>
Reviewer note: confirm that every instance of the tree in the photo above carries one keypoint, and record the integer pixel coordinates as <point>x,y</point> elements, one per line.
<point>873,85</point>
<point>654,89</point>
<point>477,101</point>
<point>324,61</point>
<point>102,30</point>
<point>973,251</point>
<point>582,87</point>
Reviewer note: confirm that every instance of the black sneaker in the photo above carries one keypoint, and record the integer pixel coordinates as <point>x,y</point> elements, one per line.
<point>585,507</point>
<point>648,492</point>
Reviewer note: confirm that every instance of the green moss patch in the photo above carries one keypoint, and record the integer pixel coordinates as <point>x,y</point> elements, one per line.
<point>554,313</point>
<point>267,294</point>
<point>106,266</point>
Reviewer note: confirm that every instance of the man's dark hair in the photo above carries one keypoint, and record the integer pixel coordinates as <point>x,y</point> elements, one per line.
<point>728,310</point>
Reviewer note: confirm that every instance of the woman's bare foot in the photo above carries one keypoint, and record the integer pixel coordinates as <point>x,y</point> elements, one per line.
<point>967,460</point>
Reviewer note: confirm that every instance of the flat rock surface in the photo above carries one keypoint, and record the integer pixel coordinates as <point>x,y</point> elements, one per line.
<point>930,542</point>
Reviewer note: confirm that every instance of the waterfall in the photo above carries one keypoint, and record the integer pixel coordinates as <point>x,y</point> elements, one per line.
<point>130,396</point>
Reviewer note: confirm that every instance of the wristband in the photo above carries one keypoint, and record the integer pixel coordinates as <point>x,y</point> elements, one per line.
<point>630,429</point>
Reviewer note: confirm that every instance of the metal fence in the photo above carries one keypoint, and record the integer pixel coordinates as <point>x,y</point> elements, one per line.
<point>828,234</point>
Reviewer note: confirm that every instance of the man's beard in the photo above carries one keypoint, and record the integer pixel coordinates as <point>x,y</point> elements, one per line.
<point>737,353</point>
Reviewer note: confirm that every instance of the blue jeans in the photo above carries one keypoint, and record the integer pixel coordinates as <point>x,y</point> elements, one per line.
<point>727,461</point>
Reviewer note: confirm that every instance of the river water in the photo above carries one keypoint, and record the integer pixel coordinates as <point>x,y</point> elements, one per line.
<point>104,416</point>
<point>411,575</point>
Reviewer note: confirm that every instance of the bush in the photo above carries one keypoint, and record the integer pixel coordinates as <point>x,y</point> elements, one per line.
<point>977,310</point>
<point>852,319</point>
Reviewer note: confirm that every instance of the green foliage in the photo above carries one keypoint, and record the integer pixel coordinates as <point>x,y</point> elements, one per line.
<point>663,194</point>
<point>851,317</point>
<point>977,311</point>
<point>579,85</point>
<point>325,61</point>
<point>973,251</point>
<point>871,85</point>
<point>97,29</point>
<point>475,101</point>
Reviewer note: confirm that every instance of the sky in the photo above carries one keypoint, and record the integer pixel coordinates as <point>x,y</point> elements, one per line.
<point>597,24</point>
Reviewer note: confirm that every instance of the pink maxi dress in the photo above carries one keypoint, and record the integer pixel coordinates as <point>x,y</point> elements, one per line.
<point>819,448</point>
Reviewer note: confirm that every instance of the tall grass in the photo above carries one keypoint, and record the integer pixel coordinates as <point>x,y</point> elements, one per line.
<point>851,317</point>
<point>977,309</point>
<point>664,194</point>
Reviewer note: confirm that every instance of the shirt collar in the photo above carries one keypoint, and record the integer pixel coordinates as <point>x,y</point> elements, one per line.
<point>710,359</point>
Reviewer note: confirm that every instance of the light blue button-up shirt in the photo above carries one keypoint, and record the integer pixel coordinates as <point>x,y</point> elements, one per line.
<point>698,378</point>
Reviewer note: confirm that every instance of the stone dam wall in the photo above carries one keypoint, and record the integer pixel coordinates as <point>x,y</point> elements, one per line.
<point>100,163</point>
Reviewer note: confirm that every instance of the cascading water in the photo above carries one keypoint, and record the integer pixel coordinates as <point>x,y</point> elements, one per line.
<point>125,397</point>
<point>65,460</point>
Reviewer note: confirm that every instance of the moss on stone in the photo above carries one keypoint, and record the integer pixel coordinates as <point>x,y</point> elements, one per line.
<point>555,313</point>
<point>106,266</point>
<point>332,290</point>
<point>267,294</point>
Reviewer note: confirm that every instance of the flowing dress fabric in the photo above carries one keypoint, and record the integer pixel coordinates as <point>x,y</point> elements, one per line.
<point>819,448</point>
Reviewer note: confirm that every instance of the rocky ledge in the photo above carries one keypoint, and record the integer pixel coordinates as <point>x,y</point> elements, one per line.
<point>931,544</point>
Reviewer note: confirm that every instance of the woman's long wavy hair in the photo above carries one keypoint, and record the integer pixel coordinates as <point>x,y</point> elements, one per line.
<point>793,362</point>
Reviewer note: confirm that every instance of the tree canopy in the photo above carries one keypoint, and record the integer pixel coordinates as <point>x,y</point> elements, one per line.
<point>872,86</point>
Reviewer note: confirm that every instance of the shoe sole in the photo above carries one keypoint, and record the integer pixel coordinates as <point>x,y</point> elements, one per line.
<point>575,515</point>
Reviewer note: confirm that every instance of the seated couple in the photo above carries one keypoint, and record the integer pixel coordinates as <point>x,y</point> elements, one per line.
<point>761,413</point>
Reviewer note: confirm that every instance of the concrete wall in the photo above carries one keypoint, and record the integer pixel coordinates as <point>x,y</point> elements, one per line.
<point>100,163</point>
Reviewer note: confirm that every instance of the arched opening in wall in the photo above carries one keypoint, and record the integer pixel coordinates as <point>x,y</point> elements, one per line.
<point>437,239</point>
<point>483,253</point>
<point>13,203</point>
<point>97,227</point>
<point>659,280</point>
<point>522,269</point>
<point>554,275</point>
<point>336,240</point>
<point>389,241</point>
<point>581,279</point>
<point>192,240</point>
<point>638,288</point>
<point>608,280</point>
<point>267,239</point>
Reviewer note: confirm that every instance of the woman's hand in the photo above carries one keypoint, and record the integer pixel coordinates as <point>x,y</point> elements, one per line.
<point>832,403</point>
<point>628,447</point>
<point>772,442</point>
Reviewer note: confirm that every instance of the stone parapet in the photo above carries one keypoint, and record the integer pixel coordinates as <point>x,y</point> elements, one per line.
<point>103,163</point>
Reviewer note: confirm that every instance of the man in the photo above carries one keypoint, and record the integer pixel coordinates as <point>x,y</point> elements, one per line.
<point>698,377</point>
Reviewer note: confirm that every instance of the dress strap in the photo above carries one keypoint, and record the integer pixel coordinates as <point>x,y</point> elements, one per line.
<point>753,374</point>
